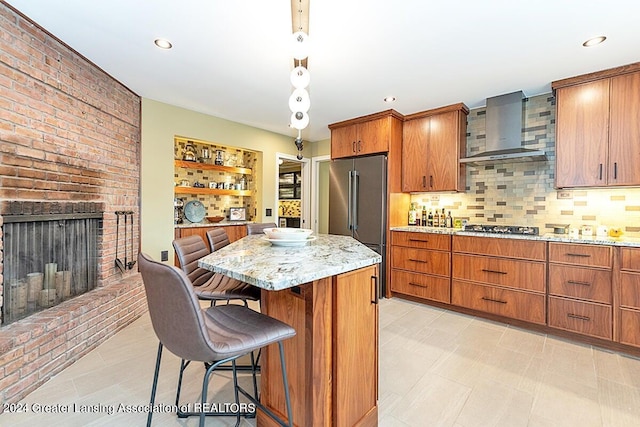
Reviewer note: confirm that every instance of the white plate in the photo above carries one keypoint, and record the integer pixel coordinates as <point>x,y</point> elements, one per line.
<point>287,242</point>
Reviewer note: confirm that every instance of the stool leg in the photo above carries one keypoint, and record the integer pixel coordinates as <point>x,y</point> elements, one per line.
<point>286,383</point>
<point>235,391</point>
<point>154,387</point>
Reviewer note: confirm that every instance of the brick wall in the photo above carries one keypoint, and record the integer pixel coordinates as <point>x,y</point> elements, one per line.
<point>69,133</point>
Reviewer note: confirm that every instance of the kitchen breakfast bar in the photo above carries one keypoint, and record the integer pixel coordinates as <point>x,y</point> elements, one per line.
<point>326,290</point>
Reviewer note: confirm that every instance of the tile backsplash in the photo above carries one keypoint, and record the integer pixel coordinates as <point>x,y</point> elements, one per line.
<point>523,193</point>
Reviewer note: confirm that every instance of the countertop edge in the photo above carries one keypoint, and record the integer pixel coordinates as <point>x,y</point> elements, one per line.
<point>594,240</point>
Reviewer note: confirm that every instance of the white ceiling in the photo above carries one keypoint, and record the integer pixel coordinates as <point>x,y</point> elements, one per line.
<point>230,58</point>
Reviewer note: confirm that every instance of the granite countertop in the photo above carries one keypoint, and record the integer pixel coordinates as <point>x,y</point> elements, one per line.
<point>548,237</point>
<point>223,223</point>
<point>254,260</point>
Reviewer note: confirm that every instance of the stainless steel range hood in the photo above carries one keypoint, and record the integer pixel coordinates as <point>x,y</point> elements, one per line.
<point>504,133</point>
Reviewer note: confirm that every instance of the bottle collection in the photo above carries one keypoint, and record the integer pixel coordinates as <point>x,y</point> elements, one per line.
<point>432,218</point>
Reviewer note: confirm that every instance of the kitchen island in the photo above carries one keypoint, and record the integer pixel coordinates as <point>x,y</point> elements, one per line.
<point>327,291</point>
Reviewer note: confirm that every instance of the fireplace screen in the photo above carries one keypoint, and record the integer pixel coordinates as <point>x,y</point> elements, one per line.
<point>47,261</point>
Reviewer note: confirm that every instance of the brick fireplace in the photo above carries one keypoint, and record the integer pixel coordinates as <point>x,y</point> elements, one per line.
<point>69,142</point>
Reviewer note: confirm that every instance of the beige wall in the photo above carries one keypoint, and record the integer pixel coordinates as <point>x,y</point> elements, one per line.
<point>160,123</point>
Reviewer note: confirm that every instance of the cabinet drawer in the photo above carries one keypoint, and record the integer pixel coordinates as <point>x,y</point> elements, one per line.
<point>588,255</point>
<point>583,283</point>
<point>630,290</point>
<point>421,240</point>
<point>421,260</point>
<point>500,271</point>
<point>508,248</point>
<point>630,327</point>
<point>583,317</point>
<point>421,285</point>
<point>503,302</point>
<point>630,259</point>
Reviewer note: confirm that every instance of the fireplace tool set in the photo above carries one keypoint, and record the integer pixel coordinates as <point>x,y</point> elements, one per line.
<point>128,241</point>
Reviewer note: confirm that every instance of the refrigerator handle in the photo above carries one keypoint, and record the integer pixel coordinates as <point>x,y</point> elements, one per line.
<point>354,200</point>
<point>350,198</point>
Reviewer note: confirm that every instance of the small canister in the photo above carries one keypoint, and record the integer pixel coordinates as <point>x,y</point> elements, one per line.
<point>587,231</point>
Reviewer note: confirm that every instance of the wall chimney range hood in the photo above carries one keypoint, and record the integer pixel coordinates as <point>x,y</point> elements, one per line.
<point>504,133</point>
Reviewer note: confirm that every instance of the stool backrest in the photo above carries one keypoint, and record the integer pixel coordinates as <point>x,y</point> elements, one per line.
<point>189,250</point>
<point>257,228</point>
<point>175,312</point>
<point>218,238</point>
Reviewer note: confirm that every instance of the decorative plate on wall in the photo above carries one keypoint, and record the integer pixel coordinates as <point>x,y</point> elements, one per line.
<point>194,211</point>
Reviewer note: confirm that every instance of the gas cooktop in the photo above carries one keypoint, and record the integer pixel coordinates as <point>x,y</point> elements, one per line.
<point>501,229</point>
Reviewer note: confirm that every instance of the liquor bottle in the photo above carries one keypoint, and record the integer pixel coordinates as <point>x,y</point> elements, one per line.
<point>413,215</point>
<point>443,218</point>
<point>436,218</point>
<point>449,220</point>
<point>424,216</point>
<point>430,218</point>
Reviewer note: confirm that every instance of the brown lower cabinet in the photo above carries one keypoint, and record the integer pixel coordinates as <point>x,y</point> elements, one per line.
<point>587,290</point>
<point>500,301</point>
<point>580,289</point>
<point>629,296</point>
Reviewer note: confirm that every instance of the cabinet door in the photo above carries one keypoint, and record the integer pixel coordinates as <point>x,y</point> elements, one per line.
<point>442,160</point>
<point>343,141</point>
<point>415,142</point>
<point>624,133</point>
<point>236,232</point>
<point>582,124</point>
<point>355,348</point>
<point>373,136</point>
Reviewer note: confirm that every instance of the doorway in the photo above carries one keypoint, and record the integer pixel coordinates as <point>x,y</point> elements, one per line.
<point>293,193</point>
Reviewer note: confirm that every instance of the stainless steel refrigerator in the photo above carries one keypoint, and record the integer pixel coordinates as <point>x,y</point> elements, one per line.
<point>357,203</point>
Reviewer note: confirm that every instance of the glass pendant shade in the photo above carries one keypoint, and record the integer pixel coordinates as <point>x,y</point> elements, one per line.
<point>300,77</point>
<point>299,120</point>
<point>299,101</point>
<point>300,42</point>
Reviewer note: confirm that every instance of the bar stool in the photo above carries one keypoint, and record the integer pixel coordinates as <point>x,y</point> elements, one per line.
<point>257,228</point>
<point>216,335</point>
<point>207,284</point>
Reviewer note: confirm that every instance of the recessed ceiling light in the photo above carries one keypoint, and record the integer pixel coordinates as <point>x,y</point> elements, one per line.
<point>163,44</point>
<point>389,99</point>
<point>594,41</point>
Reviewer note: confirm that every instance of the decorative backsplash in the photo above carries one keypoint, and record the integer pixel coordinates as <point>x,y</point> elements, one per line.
<point>217,205</point>
<point>523,193</point>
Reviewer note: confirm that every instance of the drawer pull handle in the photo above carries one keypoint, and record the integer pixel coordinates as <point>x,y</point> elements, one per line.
<point>419,240</point>
<point>494,271</point>
<point>579,255</point>
<point>420,285</point>
<point>575,282</point>
<point>417,260</point>
<point>494,300</point>
<point>577,316</point>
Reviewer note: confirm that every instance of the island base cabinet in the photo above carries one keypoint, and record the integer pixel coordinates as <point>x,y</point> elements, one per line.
<point>332,362</point>
<point>502,302</point>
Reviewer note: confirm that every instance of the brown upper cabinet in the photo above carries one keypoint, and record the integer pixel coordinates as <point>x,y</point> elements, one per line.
<point>597,129</point>
<point>365,135</point>
<point>432,143</point>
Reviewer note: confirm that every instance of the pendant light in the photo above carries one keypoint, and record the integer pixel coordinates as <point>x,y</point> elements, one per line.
<point>299,101</point>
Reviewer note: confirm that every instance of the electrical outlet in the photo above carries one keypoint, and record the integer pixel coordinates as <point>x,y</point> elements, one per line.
<point>565,195</point>
<point>164,256</point>
<point>435,198</point>
<point>268,212</point>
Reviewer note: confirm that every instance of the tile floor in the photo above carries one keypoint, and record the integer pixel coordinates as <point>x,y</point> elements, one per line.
<point>437,368</point>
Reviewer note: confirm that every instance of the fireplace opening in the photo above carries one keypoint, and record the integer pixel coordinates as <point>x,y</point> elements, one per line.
<point>48,258</point>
